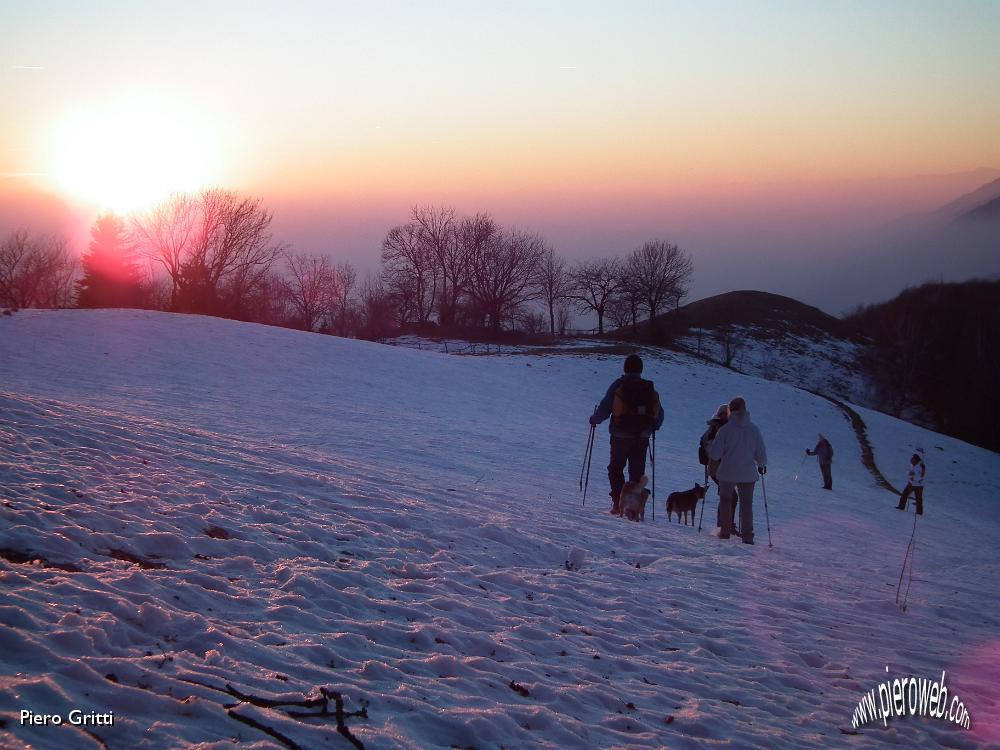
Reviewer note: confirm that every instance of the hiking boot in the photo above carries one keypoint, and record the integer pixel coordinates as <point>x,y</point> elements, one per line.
<point>748,541</point>
<point>615,511</point>
<point>723,535</point>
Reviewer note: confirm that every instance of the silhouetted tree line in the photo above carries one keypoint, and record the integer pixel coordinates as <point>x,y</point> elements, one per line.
<point>36,271</point>
<point>213,253</point>
<point>441,269</point>
<point>934,357</point>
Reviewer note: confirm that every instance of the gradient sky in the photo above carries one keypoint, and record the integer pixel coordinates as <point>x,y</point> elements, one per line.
<point>599,124</point>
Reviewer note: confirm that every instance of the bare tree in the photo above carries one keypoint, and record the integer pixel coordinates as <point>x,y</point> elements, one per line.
<point>270,302</point>
<point>530,321</point>
<point>619,311</point>
<point>236,252</point>
<point>503,272</point>
<point>730,345</point>
<point>553,283</point>
<point>447,241</point>
<point>662,272</point>
<point>216,247</point>
<point>376,308</point>
<point>347,279</point>
<point>410,267</point>
<point>564,314</point>
<point>36,271</point>
<point>628,298</point>
<point>593,285</point>
<point>475,235</point>
<point>158,289</point>
<point>312,288</point>
<point>166,234</point>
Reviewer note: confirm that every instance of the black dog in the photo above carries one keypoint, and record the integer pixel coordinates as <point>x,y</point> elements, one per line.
<point>684,502</point>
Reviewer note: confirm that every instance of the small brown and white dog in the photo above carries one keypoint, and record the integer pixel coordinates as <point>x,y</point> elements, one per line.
<point>684,502</point>
<point>632,503</point>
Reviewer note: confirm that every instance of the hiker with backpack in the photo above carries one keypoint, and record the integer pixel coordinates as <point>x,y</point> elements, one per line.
<point>824,455</point>
<point>915,483</point>
<point>739,448</point>
<point>720,417</point>
<point>634,407</point>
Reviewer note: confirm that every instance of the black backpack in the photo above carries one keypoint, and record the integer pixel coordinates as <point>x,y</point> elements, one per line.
<point>702,453</point>
<point>636,406</point>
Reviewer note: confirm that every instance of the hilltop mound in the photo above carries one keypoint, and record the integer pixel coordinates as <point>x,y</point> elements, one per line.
<point>762,310</point>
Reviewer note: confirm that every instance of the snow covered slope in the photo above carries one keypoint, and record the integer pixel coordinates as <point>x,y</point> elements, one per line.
<point>190,504</point>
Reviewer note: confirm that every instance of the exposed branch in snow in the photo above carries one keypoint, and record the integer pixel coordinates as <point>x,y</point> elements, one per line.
<point>94,737</point>
<point>323,703</point>
<point>341,715</point>
<point>249,721</point>
<point>270,703</point>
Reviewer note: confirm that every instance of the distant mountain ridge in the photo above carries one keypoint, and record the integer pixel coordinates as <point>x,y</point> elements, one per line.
<point>970,202</point>
<point>989,211</point>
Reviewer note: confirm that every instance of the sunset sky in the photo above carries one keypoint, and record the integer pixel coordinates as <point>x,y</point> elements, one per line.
<point>598,124</point>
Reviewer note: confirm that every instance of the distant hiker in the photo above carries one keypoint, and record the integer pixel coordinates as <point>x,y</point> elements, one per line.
<point>720,417</point>
<point>915,483</point>
<point>739,448</point>
<point>634,407</point>
<point>824,454</point>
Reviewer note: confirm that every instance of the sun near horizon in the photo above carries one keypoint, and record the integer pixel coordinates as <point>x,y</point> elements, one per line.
<point>127,155</point>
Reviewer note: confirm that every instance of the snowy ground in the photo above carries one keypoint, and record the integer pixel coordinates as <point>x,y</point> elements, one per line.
<point>818,361</point>
<point>224,504</point>
<point>462,346</point>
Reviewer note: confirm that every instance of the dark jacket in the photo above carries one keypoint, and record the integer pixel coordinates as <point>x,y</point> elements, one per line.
<point>823,452</point>
<point>714,425</point>
<point>607,403</point>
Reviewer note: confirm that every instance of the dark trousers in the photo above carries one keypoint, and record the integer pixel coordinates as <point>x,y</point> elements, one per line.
<point>918,495</point>
<point>732,515</point>
<point>631,451</point>
<point>728,491</point>
<point>827,476</point>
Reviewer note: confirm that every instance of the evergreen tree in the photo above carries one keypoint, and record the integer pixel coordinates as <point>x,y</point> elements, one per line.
<point>111,277</point>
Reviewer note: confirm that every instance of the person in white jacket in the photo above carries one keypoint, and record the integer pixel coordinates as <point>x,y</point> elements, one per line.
<point>914,484</point>
<point>739,449</point>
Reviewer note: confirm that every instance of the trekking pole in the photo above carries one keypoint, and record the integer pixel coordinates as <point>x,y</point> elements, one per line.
<point>702,517</point>
<point>907,558</point>
<point>767,517</point>
<point>586,452</point>
<point>801,464</point>
<point>652,460</point>
<point>590,455</point>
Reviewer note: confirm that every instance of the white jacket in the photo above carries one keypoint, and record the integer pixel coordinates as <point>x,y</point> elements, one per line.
<point>916,474</point>
<point>740,448</point>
